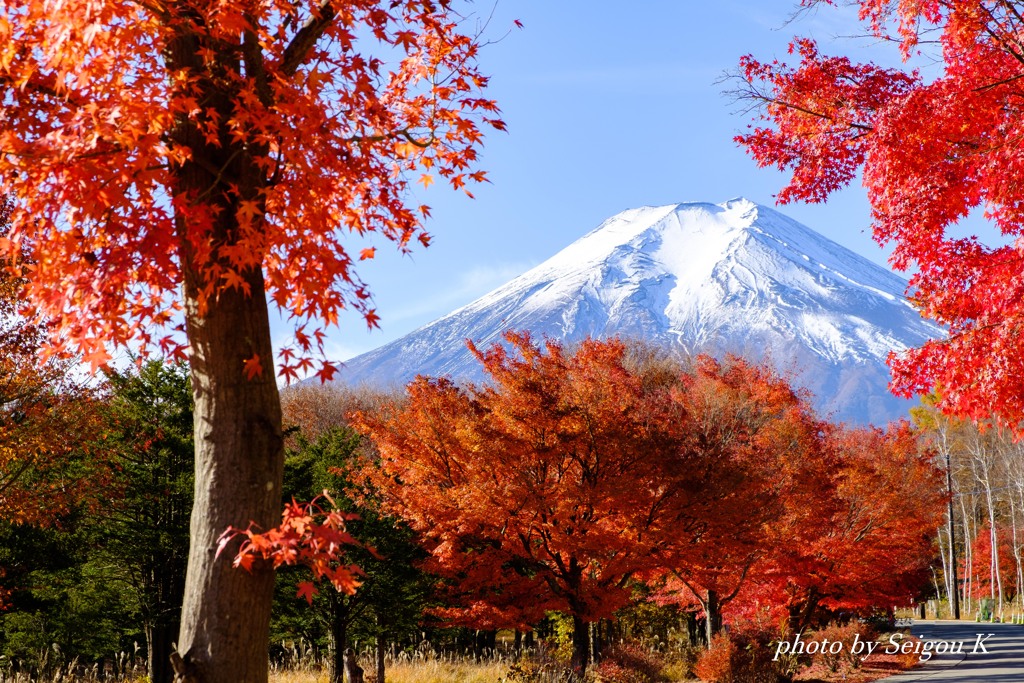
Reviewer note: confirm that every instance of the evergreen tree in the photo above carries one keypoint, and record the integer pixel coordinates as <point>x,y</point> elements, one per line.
<point>390,602</point>
<point>145,533</point>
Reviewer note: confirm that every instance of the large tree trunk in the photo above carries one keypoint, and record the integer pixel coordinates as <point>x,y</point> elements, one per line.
<point>239,466</point>
<point>239,463</point>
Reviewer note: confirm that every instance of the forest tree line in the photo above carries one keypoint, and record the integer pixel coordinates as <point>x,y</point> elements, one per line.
<point>593,483</point>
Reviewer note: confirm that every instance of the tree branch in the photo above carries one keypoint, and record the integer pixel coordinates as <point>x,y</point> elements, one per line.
<point>253,54</point>
<point>739,584</point>
<point>297,51</point>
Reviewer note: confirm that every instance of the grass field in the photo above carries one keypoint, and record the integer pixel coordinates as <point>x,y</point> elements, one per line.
<point>627,663</point>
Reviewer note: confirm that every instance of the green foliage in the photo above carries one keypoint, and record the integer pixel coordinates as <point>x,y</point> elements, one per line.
<point>103,579</point>
<point>559,625</point>
<point>145,531</point>
<point>663,627</point>
<point>144,534</point>
<point>392,598</point>
<point>63,603</point>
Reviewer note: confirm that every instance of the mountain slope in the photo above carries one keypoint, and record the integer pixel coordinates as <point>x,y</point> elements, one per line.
<point>735,277</point>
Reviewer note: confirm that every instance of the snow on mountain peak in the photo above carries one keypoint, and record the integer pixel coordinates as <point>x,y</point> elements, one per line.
<point>732,277</point>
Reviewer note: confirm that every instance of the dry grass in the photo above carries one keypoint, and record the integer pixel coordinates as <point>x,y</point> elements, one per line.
<point>434,671</point>
<point>446,672</point>
<point>292,676</point>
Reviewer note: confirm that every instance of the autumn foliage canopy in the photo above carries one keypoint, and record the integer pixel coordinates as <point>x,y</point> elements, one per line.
<point>931,151</point>
<point>573,477</point>
<point>538,493</point>
<point>51,458</point>
<point>107,105</point>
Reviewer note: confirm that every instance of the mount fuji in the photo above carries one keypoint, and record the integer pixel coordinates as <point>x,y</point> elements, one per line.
<point>734,277</point>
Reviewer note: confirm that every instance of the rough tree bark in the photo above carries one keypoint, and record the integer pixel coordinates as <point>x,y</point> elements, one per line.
<point>239,459</point>
<point>159,640</point>
<point>953,590</point>
<point>239,465</point>
<point>339,638</point>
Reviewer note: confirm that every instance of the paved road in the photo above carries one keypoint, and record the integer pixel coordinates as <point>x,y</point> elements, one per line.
<point>1002,663</point>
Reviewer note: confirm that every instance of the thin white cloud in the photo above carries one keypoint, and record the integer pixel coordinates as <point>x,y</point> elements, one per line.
<point>465,288</point>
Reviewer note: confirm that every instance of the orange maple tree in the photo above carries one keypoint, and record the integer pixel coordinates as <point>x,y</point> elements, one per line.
<point>848,525</point>
<point>765,476</point>
<point>540,492</point>
<point>931,151</point>
<point>199,159</point>
<point>573,474</point>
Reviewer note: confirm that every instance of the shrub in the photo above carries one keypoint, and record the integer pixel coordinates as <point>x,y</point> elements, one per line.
<point>882,621</point>
<point>847,634</point>
<point>679,664</point>
<point>612,672</point>
<point>541,668</point>
<point>746,658</point>
<point>715,665</point>
<point>629,663</point>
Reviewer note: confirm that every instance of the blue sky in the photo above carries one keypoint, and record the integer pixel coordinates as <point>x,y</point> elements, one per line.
<point>606,110</point>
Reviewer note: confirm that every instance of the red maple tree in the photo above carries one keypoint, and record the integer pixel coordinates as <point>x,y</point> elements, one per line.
<point>876,544</point>
<point>765,475</point>
<point>540,492</point>
<point>201,158</point>
<point>931,151</point>
<point>571,475</point>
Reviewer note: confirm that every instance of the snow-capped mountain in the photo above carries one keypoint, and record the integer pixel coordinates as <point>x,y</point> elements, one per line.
<point>732,277</point>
